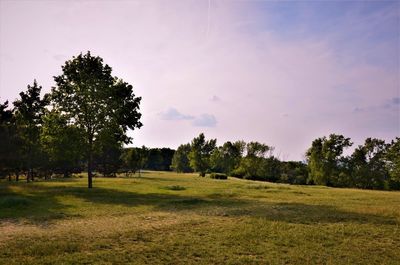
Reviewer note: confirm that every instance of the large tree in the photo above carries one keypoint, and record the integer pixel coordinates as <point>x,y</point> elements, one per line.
<point>94,100</point>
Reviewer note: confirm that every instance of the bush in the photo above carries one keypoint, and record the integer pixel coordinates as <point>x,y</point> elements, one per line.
<point>175,187</point>
<point>238,173</point>
<point>218,176</point>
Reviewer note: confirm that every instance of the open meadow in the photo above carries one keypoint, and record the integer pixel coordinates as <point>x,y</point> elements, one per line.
<point>169,218</point>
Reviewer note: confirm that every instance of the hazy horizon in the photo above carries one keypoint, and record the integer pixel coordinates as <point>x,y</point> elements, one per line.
<point>281,73</point>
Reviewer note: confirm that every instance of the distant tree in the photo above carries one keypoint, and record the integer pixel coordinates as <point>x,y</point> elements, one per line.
<point>270,169</point>
<point>180,160</point>
<point>159,159</point>
<point>10,147</point>
<point>368,164</point>
<point>29,110</point>
<point>143,154</point>
<point>167,155</point>
<point>199,155</point>
<point>324,157</point>
<point>62,143</point>
<point>251,166</point>
<point>227,157</point>
<point>93,100</point>
<point>154,159</point>
<point>393,163</point>
<point>131,160</point>
<point>293,172</point>
<point>108,150</point>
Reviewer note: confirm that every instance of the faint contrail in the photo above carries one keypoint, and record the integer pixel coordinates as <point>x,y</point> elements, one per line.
<point>208,18</point>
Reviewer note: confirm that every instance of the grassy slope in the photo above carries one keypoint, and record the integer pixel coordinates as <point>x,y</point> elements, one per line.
<point>148,220</point>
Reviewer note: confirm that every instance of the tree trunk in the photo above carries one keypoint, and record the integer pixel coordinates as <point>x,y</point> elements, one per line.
<point>17,176</point>
<point>90,176</point>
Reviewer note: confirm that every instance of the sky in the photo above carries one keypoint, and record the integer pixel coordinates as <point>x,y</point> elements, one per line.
<point>279,72</point>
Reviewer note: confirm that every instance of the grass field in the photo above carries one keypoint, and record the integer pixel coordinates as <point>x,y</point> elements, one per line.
<point>168,218</point>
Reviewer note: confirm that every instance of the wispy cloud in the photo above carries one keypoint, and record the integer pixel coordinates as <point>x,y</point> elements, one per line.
<point>215,98</point>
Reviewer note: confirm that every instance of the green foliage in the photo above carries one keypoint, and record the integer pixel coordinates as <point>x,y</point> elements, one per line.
<point>180,160</point>
<point>29,110</point>
<point>63,144</point>
<point>10,142</point>
<point>95,101</point>
<point>218,176</point>
<point>256,165</point>
<point>227,157</point>
<point>323,158</point>
<point>159,159</point>
<point>293,172</point>
<point>108,150</point>
<point>393,163</point>
<point>199,155</point>
<point>368,165</point>
<point>131,160</point>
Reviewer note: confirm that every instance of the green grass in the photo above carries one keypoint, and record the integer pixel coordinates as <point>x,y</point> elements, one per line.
<point>167,218</point>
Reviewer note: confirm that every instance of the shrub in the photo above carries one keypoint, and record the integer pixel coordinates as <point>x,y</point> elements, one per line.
<point>218,176</point>
<point>238,173</point>
<point>175,187</point>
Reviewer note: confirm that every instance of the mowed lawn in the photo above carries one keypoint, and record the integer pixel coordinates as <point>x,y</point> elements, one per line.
<point>168,218</point>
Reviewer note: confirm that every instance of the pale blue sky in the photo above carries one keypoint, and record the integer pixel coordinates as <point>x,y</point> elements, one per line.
<point>279,72</point>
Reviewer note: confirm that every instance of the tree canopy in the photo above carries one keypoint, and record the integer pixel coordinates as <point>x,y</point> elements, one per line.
<point>96,102</point>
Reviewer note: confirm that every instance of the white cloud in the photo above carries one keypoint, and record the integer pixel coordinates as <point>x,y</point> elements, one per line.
<point>174,115</point>
<point>205,120</point>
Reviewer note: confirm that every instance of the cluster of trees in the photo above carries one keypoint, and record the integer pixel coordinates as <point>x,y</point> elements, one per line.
<point>80,125</point>
<point>251,160</point>
<point>133,159</point>
<point>374,165</point>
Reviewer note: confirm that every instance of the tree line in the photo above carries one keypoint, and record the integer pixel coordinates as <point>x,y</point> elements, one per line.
<point>373,165</point>
<point>81,125</point>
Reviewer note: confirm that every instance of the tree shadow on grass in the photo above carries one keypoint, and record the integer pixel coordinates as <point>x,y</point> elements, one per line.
<point>38,203</point>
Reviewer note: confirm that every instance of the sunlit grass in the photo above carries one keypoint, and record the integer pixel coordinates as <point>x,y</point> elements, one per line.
<point>168,218</point>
